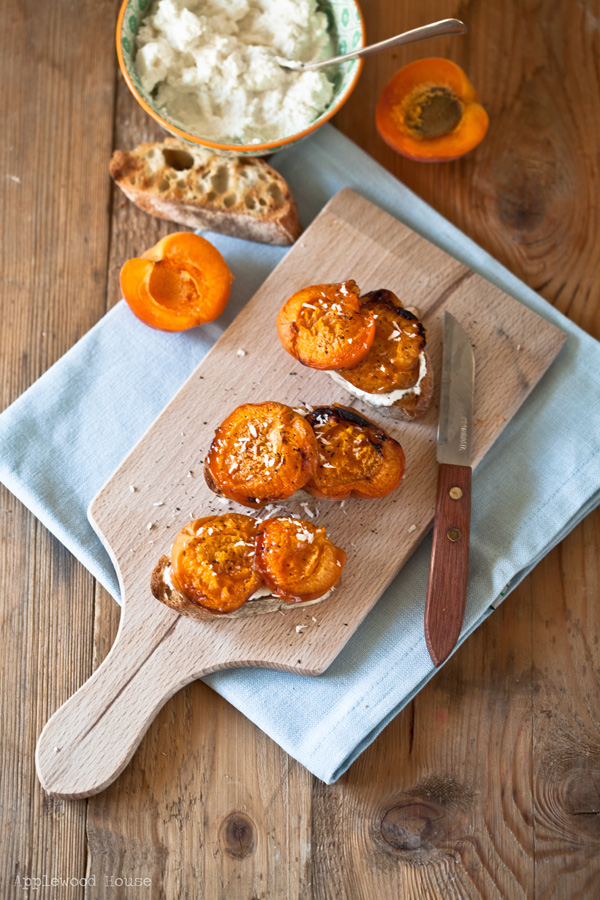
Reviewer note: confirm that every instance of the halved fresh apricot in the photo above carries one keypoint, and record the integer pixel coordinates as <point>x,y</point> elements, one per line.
<point>261,453</point>
<point>392,362</point>
<point>357,458</point>
<point>429,111</point>
<point>296,559</point>
<point>213,562</point>
<point>325,326</point>
<point>181,282</point>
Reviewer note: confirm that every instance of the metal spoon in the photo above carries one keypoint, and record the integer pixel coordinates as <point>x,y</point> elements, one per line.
<point>435,29</point>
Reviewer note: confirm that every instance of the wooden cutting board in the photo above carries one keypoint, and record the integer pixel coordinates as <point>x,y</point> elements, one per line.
<point>159,487</point>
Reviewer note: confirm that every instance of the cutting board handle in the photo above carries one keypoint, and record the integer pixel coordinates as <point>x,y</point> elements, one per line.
<point>90,739</point>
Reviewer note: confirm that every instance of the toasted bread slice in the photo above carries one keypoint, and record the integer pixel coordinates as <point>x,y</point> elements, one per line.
<point>242,196</point>
<point>412,406</point>
<point>164,591</point>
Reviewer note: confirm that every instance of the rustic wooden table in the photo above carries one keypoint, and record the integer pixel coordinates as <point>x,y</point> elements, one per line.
<point>487,784</point>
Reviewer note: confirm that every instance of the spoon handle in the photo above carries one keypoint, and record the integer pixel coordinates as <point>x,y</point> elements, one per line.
<point>435,29</point>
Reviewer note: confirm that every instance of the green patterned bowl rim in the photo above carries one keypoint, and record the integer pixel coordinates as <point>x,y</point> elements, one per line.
<point>348,29</point>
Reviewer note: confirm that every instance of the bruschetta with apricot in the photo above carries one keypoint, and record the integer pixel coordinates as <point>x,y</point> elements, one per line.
<point>234,565</point>
<point>384,362</point>
<point>265,452</point>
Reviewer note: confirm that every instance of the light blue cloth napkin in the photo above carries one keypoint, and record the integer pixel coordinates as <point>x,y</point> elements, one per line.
<point>63,438</point>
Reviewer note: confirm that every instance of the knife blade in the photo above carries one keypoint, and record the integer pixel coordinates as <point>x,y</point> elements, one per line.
<point>449,566</point>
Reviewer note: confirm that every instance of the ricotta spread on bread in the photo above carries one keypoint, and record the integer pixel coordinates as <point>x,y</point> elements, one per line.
<point>211,66</point>
<point>259,594</point>
<point>387,398</point>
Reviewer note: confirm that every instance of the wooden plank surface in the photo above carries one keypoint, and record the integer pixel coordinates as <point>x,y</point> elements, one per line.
<point>57,112</point>
<point>485,786</point>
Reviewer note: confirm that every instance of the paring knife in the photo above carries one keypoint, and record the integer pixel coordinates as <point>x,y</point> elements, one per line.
<point>449,567</point>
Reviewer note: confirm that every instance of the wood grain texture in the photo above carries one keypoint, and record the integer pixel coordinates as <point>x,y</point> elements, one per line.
<point>54,229</point>
<point>496,756</point>
<point>90,739</point>
<point>449,565</point>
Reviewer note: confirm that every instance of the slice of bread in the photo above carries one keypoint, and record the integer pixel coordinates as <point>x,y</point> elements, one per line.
<point>164,591</point>
<point>412,406</point>
<point>242,196</point>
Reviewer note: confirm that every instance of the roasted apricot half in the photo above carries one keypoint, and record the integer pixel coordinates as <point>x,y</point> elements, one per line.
<point>213,562</point>
<point>261,453</point>
<point>296,559</point>
<point>392,362</point>
<point>181,282</point>
<point>357,458</point>
<point>325,326</point>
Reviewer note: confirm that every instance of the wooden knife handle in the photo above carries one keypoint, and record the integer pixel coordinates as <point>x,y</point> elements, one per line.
<point>449,567</point>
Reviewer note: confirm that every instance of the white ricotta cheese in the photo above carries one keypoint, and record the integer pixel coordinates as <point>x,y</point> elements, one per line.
<point>389,398</point>
<point>166,577</point>
<point>211,66</point>
<point>262,591</point>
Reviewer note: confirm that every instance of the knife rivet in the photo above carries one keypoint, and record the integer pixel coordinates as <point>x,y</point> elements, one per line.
<point>453,534</point>
<point>456,493</point>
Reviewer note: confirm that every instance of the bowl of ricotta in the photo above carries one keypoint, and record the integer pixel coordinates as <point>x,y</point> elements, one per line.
<point>207,70</point>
